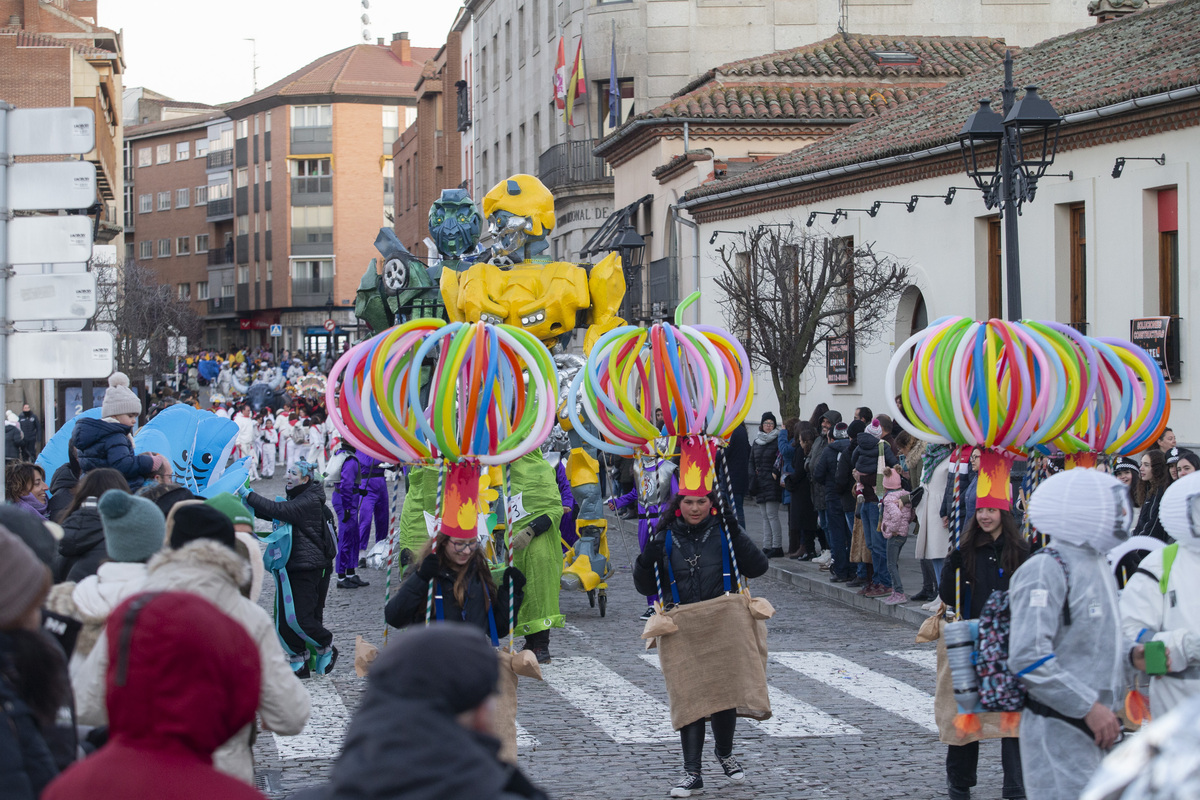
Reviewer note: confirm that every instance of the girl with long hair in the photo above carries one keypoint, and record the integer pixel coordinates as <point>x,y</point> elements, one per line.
<point>82,548</point>
<point>1155,478</point>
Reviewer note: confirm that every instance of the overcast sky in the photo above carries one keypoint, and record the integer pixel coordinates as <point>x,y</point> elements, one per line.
<point>195,51</point>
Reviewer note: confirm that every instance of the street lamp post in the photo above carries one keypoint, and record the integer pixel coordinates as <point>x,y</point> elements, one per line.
<point>632,247</point>
<point>1005,156</point>
<point>329,334</point>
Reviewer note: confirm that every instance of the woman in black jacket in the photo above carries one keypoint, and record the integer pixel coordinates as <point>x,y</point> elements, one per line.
<point>765,483</point>
<point>698,544</point>
<point>308,568</point>
<point>81,551</point>
<point>463,589</point>
<point>988,554</point>
<point>804,528</point>
<point>1155,478</point>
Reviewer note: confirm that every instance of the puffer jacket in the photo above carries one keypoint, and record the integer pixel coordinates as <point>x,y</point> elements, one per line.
<point>12,441</point>
<point>705,580</point>
<point>865,459</point>
<point>826,475</point>
<point>411,602</point>
<point>91,600</point>
<point>312,546</point>
<point>100,443</point>
<point>213,571</point>
<point>82,547</point>
<point>764,481</point>
<point>62,491</point>
<point>26,761</point>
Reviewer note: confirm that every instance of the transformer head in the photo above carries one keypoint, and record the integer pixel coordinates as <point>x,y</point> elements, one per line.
<point>522,196</point>
<point>454,223</point>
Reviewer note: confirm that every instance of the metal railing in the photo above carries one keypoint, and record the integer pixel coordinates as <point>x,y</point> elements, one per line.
<point>572,162</point>
<point>312,184</point>
<point>220,158</point>
<point>220,208</point>
<point>221,256</point>
<point>463,98</point>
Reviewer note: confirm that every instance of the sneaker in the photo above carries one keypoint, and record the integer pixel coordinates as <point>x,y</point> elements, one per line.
<point>542,654</point>
<point>825,557</point>
<point>895,598</point>
<point>733,770</point>
<point>324,662</point>
<point>689,784</point>
<point>879,590</point>
<point>857,581</point>
<point>348,583</point>
<point>923,596</point>
<point>839,579</point>
<point>358,579</point>
<point>865,586</point>
<point>648,613</point>
<point>932,605</point>
<point>300,669</point>
<point>826,566</point>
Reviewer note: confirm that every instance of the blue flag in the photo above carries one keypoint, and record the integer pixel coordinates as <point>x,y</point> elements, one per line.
<point>614,89</point>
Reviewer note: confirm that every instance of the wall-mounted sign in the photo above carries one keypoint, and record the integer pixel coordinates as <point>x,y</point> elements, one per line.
<point>1159,336</point>
<point>839,360</point>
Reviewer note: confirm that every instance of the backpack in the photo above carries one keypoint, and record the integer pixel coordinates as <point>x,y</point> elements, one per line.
<point>999,688</point>
<point>299,434</point>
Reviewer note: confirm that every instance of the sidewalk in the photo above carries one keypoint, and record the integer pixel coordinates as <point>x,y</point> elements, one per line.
<point>809,576</point>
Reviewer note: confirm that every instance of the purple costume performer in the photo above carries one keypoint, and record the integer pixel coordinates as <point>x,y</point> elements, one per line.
<point>360,496</point>
<point>654,486</point>
<point>374,501</point>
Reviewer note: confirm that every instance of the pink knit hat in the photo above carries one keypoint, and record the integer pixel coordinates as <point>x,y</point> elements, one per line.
<point>891,481</point>
<point>875,429</point>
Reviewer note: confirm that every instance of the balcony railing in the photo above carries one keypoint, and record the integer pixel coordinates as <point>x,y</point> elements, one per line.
<point>312,184</point>
<point>311,291</point>
<point>218,209</point>
<point>571,163</point>
<point>463,98</point>
<point>221,256</point>
<point>220,158</point>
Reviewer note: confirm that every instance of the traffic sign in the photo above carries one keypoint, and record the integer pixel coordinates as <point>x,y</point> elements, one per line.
<point>49,240</point>
<point>38,297</point>
<point>277,330</point>
<point>330,325</point>
<point>51,185</point>
<point>56,355</point>
<point>51,131</point>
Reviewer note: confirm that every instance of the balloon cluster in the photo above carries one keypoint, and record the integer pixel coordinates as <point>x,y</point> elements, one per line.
<point>1014,385</point>
<point>698,375</point>
<point>490,393</point>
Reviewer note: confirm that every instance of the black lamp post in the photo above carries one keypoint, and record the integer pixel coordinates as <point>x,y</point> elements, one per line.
<point>632,247</point>
<point>1005,156</point>
<point>329,315</point>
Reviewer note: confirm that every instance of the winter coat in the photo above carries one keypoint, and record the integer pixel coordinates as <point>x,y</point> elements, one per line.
<point>31,429</point>
<point>91,600</point>
<point>62,491</point>
<point>411,603</point>
<point>803,489</point>
<point>933,540</point>
<point>26,763</point>
<point>865,459</point>
<point>312,546</point>
<point>213,571</point>
<point>988,576</point>
<point>12,441</point>
<point>787,454</point>
<point>706,580</point>
<point>737,456</point>
<point>896,518</point>
<point>764,480</point>
<point>1147,523</point>
<point>163,729</point>
<point>101,443</point>
<point>969,486</point>
<point>836,498</point>
<point>810,463</point>
<point>82,547</point>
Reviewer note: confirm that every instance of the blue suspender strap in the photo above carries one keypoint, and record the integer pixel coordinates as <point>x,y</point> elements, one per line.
<point>671,572</point>
<point>726,569</point>
<point>492,627</point>
<point>437,600</point>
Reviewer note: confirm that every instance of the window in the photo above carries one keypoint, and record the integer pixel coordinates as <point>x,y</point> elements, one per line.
<point>310,167</point>
<point>201,242</point>
<point>256,223</point>
<point>1168,252</point>
<point>312,277</point>
<point>483,62</point>
<point>267,172</point>
<point>202,290</point>
<point>312,116</point>
<point>164,248</point>
<point>227,290</point>
<point>257,275</point>
<point>533,22</point>
<point>243,225</point>
<point>129,251</point>
<point>256,174</point>
<point>144,157</point>
<point>995,256</point>
<point>183,246</point>
<point>624,104</point>
<point>164,201</point>
<point>201,195</point>
<point>181,198</point>
<point>1078,268</point>
<point>241,128</point>
<point>183,151</point>
<point>267,122</point>
<point>164,153</point>
<point>201,148</point>
<point>244,273</point>
<point>508,48</point>
<point>391,126</point>
<point>267,222</point>
<point>185,291</point>
<point>550,19</point>
<point>496,61</point>
<point>145,203</point>
<point>146,249</point>
<point>312,224</point>
<point>521,35</point>
<point>243,177</point>
<point>269,266</point>
<point>257,119</point>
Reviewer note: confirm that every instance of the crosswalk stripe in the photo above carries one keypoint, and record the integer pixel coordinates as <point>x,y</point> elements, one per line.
<point>790,718</point>
<point>327,721</point>
<point>624,712</point>
<point>526,741</point>
<point>922,658</point>
<point>864,684</point>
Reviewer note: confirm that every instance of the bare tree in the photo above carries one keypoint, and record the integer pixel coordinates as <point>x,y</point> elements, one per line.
<point>144,317</point>
<point>788,292</point>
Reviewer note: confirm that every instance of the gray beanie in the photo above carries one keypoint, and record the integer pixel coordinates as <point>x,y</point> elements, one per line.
<point>24,581</point>
<point>119,399</point>
<point>134,528</point>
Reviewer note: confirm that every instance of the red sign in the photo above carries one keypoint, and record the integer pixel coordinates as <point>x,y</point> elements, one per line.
<point>330,325</point>
<point>258,323</point>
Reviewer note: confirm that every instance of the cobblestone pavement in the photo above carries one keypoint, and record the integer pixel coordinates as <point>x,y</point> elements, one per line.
<point>851,692</point>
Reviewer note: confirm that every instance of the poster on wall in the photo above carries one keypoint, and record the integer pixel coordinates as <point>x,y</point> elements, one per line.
<point>1159,337</point>
<point>839,360</point>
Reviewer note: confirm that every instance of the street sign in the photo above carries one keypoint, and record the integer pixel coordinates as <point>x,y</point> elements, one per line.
<point>277,330</point>
<point>330,325</point>
<point>51,185</point>
<point>49,240</point>
<point>38,297</point>
<point>51,131</point>
<point>60,356</point>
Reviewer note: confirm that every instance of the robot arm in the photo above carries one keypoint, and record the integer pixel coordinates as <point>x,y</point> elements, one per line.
<point>607,286</point>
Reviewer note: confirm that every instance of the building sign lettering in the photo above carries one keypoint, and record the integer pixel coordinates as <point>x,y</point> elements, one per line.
<point>839,360</point>
<point>1160,339</point>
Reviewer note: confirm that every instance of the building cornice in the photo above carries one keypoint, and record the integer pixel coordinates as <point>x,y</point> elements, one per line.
<point>641,134</point>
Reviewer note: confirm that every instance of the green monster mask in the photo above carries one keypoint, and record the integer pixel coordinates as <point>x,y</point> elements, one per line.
<point>454,223</point>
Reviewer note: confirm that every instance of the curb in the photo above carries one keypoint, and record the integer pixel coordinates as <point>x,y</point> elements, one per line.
<point>818,583</point>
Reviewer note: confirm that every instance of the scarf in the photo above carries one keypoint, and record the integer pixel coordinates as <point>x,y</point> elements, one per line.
<point>34,505</point>
<point>934,454</point>
<point>764,437</point>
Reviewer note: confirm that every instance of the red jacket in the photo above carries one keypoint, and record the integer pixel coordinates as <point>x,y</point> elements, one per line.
<point>182,679</point>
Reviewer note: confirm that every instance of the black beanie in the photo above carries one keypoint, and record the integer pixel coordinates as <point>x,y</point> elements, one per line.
<point>192,520</point>
<point>767,416</point>
<point>450,665</point>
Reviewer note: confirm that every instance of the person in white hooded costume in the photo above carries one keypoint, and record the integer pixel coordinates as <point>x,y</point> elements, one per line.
<point>1170,613</point>
<point>1074,671</point>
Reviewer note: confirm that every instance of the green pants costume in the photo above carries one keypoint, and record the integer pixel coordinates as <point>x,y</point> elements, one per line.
<point>534,481</point>
<point>420,497</point>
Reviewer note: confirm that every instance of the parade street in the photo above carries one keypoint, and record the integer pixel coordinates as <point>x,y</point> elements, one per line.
<point>850,690</point>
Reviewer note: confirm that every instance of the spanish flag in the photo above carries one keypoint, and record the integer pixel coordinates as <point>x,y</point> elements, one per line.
<point>577,84</point>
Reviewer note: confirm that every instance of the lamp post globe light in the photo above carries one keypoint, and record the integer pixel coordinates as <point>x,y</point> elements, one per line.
<point>1005,155</point>
<point>632,247</point>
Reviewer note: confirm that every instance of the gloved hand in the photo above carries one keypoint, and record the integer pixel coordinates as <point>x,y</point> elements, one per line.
<point>656,547</point>
<point>406,557</point>
<point>430,567</point>
<point>243,491</point>
<point>536,527</point>
<point>160,463</point>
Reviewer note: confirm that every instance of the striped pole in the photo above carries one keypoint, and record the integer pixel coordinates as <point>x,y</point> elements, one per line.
<point>508,556</point>
<point>437,528</point>
<point>393,534</point>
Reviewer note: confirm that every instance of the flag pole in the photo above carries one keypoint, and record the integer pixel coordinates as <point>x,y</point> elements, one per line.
<point>587,103</point>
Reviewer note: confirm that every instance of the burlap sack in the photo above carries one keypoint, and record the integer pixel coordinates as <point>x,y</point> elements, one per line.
<point>859,552</point>
<point>364,654</point>
<point>716,660</point>
<point>945,709</point>
<point>504,717</point>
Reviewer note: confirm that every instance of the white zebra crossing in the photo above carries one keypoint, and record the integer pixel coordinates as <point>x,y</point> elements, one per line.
<point>790,718</point>
<point>526,741</point>
<point>620,709</point>
<point>922,658</point>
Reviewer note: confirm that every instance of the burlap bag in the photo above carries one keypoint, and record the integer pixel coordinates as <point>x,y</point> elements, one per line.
<point>859,552</point>
<point>944,707</point>
<point>715,660</point>
<point>504,717</point>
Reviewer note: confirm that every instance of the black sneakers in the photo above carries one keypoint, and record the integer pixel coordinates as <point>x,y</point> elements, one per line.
<point>733,770</point>
<point>689,784</point>
<point>648,613</point>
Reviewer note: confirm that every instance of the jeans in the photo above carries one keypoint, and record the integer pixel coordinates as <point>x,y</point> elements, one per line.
<point>876,543</point>
<point>839,539</point>
<point>772,530</point>
<point>724,723</point>
<point>894,546</point>
<point>962,762</point>
<point>929,577</point>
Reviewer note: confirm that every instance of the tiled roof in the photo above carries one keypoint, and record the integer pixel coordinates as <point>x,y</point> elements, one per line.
<point>1145,53</point>
<point>27,39</point>
<point>787,101</point>
<point>162,126</point>
<point>364,70</point>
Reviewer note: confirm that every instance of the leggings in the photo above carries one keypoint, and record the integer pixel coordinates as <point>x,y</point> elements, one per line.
<point>772,528</point>
<point>692,736</point>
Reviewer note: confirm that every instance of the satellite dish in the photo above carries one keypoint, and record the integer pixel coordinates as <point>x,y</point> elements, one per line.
<point>366,19</point>
<point>366,3</point>
<point>366,35</point>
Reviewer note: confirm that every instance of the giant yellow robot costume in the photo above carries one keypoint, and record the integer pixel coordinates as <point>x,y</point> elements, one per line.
<point>517,286</point>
